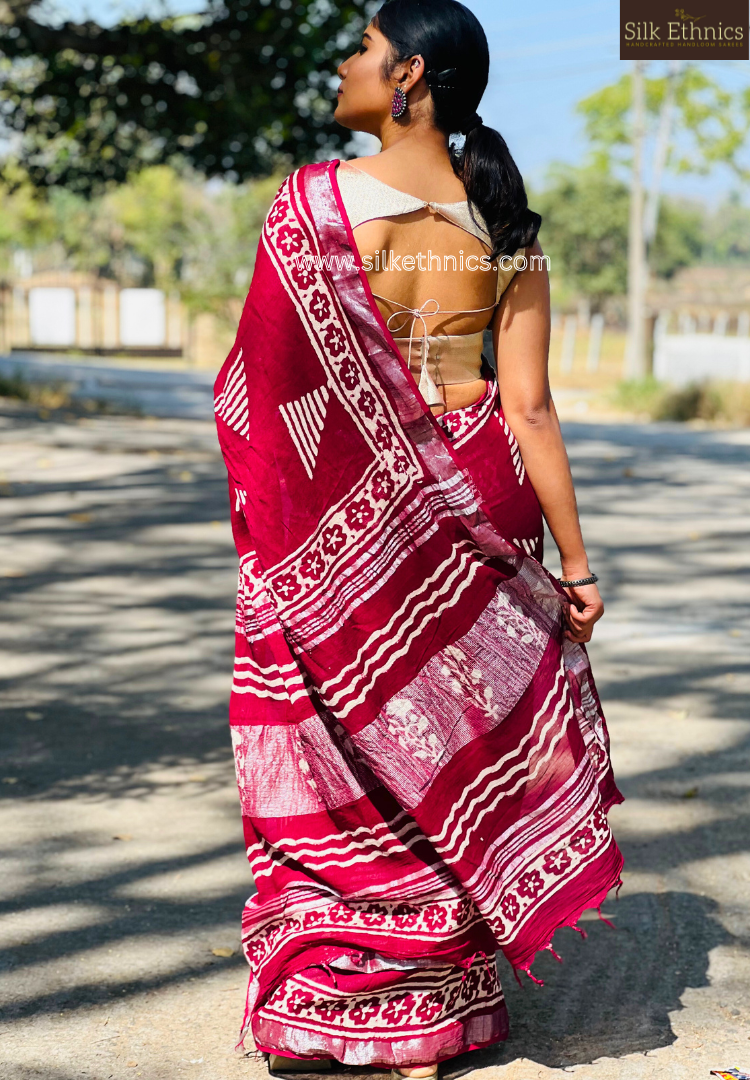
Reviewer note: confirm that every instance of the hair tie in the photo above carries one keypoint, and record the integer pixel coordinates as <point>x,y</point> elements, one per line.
<point>469,123</point>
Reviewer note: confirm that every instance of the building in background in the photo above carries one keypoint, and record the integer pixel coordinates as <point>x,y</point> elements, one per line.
<point>83,314</point>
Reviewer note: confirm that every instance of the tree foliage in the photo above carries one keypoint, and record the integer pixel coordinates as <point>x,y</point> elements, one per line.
<point>161,228</point>
<point>711,123</point>
<point>585,232</point>
<point>587,209</point>
<point>728,233</point>
<point>681,237</point>
<point>241,91</point>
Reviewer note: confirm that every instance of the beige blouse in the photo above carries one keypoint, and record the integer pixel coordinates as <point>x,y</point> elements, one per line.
<point>442,359</point>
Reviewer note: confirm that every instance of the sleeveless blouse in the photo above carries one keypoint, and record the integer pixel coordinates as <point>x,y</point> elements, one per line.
<point>444,359</point>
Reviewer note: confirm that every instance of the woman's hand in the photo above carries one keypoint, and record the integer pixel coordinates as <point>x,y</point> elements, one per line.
<point>585,609</point>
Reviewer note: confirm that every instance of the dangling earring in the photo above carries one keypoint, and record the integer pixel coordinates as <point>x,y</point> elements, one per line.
<point>398,105</point>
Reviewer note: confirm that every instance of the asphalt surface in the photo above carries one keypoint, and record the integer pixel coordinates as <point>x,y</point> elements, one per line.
<point>163,387</point>
<point>122,856</point>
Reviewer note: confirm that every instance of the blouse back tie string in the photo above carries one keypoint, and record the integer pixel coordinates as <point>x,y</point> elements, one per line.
<point>427,387</point>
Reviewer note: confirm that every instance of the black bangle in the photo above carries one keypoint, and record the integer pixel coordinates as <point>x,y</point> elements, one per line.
<point>580,581</point>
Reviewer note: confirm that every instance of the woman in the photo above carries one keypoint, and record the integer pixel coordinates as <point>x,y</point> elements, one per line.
<point>421,755</point>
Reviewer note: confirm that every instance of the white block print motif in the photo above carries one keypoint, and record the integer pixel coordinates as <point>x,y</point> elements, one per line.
<point>305,418</point>
<point>231,403</point>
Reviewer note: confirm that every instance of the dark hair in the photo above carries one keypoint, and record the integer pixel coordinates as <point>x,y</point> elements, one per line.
<point>454,47</point>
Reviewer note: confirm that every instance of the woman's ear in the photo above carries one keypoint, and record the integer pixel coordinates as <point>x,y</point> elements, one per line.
<point>413,71</point>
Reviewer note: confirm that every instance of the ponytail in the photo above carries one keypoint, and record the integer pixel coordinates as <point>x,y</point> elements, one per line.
<point>494,185</point>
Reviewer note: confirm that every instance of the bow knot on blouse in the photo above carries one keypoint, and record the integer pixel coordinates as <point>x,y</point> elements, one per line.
<point>417,314</point>
<point>427,386</point>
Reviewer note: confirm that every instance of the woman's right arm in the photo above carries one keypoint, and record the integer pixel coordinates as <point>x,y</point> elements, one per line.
<point>521,329</point>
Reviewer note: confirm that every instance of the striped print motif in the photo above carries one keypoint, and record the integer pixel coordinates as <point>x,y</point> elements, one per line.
<point>503,778</point>
<point>231,403</point>
<point>278,683</point>
<point>305,418</point>
<point>352,855</point>
<point>436,594</point>
<point>515,450</point>
<point>529,546</point>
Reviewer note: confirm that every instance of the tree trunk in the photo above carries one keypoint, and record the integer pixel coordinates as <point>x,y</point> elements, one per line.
<point>635,360</point>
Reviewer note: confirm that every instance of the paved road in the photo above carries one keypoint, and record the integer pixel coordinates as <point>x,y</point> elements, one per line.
<point>119,825</point>
<point>142,387</point>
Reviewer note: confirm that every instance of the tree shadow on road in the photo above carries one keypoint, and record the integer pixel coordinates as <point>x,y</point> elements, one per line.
<point>121,917</point>
<point>613,993</point>
<point>78,726</point>
<point>120,633</point>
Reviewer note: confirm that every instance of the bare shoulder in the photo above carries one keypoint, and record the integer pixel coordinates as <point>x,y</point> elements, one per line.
<point>527,293</point>
<point>360,163</point>
<point>533,275</point>
<point>535,257</point>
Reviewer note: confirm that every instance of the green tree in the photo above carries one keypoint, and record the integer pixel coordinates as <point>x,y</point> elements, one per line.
<point>242,90</point>
<point>150,214</point>
<point>711,124</point>
<point>221,245</point>
<point>697,124</point>
<point>161,227</point>
<point>584,230</point>
<point>26,220</point>
<point>680,237</point>
<point>728,232</point>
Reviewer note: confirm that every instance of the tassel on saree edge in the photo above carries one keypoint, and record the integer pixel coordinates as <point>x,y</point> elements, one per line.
<point>572,923</point>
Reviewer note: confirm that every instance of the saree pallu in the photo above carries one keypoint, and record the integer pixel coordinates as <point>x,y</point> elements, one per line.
<point>422,759</point>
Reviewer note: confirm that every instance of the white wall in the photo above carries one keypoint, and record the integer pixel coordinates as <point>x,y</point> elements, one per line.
<point>684,358</point>
<point>52,316</point>
<point>143,318</point>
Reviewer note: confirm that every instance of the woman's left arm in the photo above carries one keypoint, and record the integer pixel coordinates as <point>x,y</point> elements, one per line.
<point>520,331</point>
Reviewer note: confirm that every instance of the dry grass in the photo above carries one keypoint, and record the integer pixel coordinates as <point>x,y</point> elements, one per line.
<point>721,403</point>
<point>608,373</point>
<point>606,391</point>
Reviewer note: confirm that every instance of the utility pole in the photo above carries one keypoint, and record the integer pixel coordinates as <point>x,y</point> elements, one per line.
<point>635,356</point>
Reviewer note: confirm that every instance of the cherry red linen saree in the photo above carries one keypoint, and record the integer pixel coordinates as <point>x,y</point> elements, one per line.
<point>421,755</point>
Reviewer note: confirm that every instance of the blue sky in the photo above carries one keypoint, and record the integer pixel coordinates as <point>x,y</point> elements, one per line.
<point>546,56</point>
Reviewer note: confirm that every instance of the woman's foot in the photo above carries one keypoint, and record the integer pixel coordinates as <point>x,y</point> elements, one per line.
<point>279,1065</point>
<point>418,1073</point>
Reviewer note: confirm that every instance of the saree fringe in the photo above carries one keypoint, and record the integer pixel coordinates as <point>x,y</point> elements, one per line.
<point>421,755</point>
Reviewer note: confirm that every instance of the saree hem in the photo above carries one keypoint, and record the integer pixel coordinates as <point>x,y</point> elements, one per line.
<point>476,1034</point>
<point>387,1015</point>
<point>390,1061</point>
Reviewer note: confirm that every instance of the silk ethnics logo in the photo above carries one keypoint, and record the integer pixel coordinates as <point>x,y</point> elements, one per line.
<point>659,31</point>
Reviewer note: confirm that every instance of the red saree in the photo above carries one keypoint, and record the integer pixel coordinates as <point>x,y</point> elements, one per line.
<point>421,755</point>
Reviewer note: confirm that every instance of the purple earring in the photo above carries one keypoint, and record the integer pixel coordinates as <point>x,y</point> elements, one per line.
<point>398,105</point>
